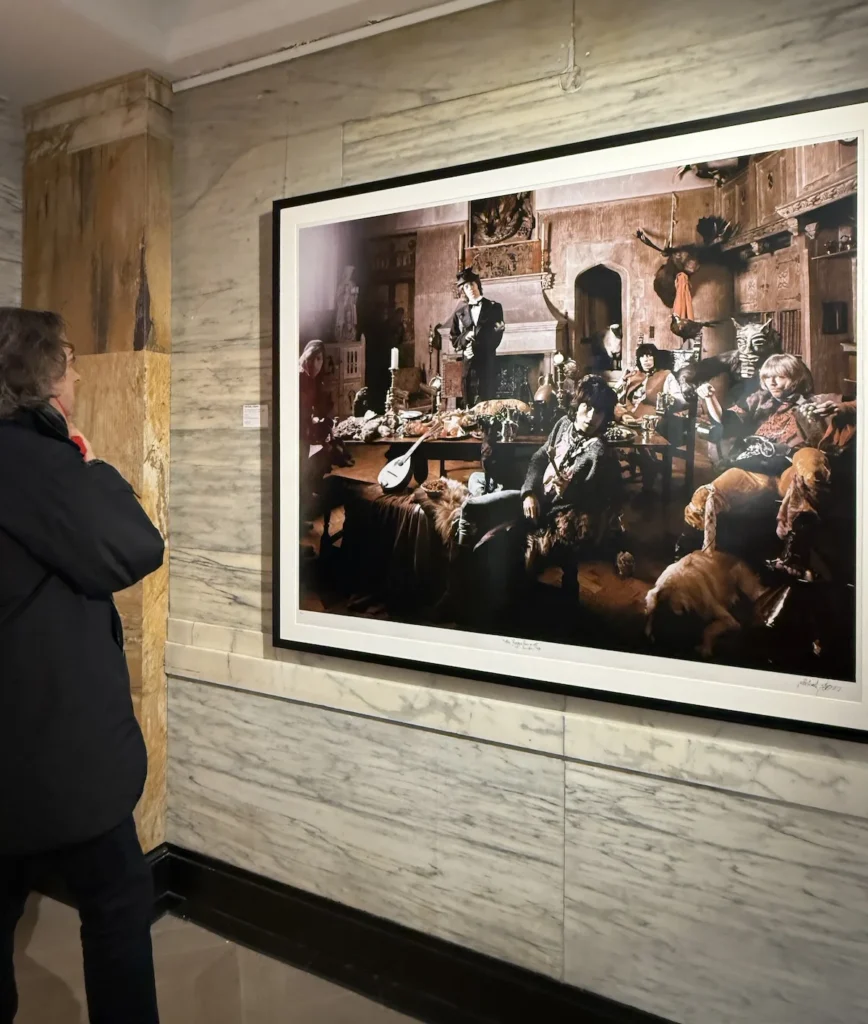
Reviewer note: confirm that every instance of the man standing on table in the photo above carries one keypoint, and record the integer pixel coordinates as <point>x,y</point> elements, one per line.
<point>476,332</point>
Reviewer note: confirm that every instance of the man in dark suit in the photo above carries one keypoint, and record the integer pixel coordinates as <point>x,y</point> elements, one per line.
<point>477,330</point>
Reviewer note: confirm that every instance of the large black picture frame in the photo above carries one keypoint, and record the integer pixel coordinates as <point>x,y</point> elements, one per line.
<point>812,709</point>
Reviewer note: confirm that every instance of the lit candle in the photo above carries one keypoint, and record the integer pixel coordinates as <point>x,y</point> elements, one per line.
<point>394,364</point>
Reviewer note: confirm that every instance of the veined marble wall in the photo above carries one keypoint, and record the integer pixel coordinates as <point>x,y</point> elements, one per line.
<point>709,873</point>
<point>11,175</point>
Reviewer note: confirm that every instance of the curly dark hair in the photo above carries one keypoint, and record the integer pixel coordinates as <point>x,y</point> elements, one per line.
<point>593,390</point>
<point>33,356</point>
<point>648,348</point>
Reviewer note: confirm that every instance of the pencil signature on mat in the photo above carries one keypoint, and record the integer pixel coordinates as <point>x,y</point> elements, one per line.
<point>819,686</point>
<point>522,645</point>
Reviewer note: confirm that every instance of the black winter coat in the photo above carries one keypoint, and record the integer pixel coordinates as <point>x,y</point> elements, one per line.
<point>72,757</point>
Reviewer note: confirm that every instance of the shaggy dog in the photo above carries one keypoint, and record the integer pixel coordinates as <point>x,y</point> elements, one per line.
<point>700,592</point>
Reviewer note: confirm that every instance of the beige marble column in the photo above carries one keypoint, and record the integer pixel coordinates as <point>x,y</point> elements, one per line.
<point>97,248</point>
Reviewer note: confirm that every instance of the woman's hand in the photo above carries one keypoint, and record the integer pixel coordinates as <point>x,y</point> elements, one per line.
<point>76,434</point>
<point>705,391</point>
<point>530,507</point>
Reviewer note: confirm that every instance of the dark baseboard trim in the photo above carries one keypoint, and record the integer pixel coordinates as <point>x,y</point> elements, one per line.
<point>427,978</point>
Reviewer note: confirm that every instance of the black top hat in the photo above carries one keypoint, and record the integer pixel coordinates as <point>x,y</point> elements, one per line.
<point>469,276</point>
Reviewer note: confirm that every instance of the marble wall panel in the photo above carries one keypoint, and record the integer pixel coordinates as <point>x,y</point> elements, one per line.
<point>210,389</point>
<point>243,660</point>
<point>224,587</point>
<point>221,499</point>
<point>625,83</point>
<point>713,909</point>
<point>460,839</point>
<point>222,233</point>
<point>810,771</point>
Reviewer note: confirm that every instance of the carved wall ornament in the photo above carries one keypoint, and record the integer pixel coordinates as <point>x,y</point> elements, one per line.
<point>502,219</point>
<point>823,196</point>
<point>793,226</point>
<point>511,260</point>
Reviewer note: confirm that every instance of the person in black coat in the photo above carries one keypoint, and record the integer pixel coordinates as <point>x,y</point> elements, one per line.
<point>476,332</point>
<point>72,757</point>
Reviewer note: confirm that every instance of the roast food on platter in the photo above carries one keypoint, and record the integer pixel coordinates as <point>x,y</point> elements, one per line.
<point>495,406</point>
<point>416,428</point>
<point>453,428</point>
<point>615,432</point>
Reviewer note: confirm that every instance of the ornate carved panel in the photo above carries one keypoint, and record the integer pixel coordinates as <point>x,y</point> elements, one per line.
<point>747,289</point>
<point>770,191</point>
<point>502,219</point>
<point>827,194</point>
<point>511,260</point>
<point>392,258</point>
<point>788,279</point>
<point>817,162</point>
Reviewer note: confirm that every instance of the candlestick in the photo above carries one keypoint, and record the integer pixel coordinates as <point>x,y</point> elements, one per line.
<point>394,364</point>
<point>391,417</point>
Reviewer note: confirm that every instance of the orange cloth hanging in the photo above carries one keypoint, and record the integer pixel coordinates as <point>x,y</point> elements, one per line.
<point>683,307</point>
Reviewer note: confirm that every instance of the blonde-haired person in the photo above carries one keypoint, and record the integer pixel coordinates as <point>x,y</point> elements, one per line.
<point>781,430</point>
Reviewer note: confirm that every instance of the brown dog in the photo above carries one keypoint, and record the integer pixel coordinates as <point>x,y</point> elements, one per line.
<point>704,586</point>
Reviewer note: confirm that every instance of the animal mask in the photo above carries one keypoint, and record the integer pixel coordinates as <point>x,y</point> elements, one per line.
<point>755,342</point>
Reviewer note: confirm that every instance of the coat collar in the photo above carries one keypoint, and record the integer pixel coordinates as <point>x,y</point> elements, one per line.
<point>44,419</point>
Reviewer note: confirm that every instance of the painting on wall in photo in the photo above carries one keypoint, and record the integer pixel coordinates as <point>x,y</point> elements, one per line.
<point>586,419</point>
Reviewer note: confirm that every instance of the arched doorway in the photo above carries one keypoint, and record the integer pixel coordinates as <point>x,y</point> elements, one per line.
<point>599,301</point>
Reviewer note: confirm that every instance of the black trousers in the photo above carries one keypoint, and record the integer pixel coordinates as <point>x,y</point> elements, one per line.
<point>110,881</point>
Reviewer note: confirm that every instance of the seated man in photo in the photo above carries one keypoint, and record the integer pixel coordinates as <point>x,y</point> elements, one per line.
<point>572,491</point>
<point>784,433</point>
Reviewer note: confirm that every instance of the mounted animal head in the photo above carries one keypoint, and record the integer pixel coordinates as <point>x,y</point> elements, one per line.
<point>755,343</point>
<point>687,259</point>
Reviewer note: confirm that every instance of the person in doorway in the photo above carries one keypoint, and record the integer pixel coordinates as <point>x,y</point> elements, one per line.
<point>476,333</point>
<point>72,758</point>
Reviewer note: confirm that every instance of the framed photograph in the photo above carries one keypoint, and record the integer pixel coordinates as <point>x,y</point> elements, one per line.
<point>586,419</point>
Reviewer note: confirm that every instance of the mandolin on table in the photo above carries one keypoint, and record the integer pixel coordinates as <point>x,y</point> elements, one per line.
<point>395,475</point>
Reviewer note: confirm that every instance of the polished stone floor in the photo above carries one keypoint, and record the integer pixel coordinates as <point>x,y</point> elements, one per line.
<point>201,978</point>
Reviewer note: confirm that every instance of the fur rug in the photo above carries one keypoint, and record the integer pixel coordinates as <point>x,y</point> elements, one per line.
<point>441,501</point>
<point>568,530</point>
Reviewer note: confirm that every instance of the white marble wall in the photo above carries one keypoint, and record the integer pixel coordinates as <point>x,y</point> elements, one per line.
<point>11,173</point>
<point>706,872</point>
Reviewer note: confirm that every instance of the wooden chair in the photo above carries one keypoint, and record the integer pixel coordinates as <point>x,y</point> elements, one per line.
<point>681,434</point>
